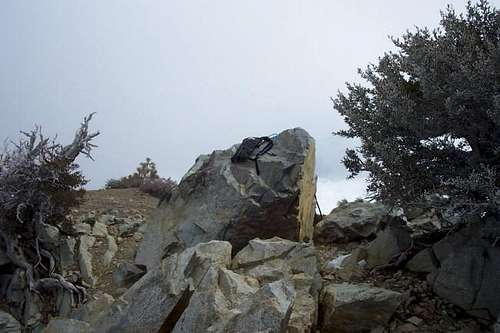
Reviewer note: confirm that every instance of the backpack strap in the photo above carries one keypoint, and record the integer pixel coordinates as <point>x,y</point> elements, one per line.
<point>253,146</point>
<point>268,146</point>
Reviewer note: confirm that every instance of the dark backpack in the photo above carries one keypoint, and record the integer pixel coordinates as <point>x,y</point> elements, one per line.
<point>252,149</point>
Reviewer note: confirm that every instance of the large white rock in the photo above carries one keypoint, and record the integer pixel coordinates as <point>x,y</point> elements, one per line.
<point>217,199</point>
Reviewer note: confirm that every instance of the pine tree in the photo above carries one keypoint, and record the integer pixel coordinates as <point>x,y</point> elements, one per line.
<point>429,117</point>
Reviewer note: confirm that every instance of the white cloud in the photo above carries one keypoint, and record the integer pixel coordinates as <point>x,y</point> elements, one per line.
<point>329,191</point>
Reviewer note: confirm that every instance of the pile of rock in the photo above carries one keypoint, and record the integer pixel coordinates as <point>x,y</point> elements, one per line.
<point>232,250</point>
<point>222,209</point>
<point>92,232</point>
<point>218,199</point>
<point>463,267</point>
<point>268,286</point>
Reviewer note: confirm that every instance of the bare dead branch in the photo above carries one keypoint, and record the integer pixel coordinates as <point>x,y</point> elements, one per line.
<point>39,182</point>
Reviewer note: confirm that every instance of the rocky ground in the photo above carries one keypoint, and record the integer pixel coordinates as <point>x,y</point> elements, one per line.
<point>233,250</point>
<point>446,277</point>
<point>421,311</point>
<point>124,213</point>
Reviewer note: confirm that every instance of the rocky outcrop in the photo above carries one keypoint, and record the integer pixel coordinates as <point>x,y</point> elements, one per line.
<point>9,324</point>
<point>221,200</point>
<point>467,271</point>
<point>127,274</point>
<point>422,262</point>
<point>350,221</point>
<point>64,325</point>
<point>391,241</point>
<point>347,308</point>
<point>111,249</point>
<point>156,302</point>
<point>90,311</point>
<point>67,253</point>
<point>348,266</point>
<point>423,220</point>
<point>270,286</point>
<point>85,259</point>
<point>278,259</point>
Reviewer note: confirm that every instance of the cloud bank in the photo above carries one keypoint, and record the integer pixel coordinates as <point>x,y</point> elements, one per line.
<point>329,191</point>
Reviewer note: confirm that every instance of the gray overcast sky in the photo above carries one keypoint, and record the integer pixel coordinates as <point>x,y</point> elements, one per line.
<point>174,79</point>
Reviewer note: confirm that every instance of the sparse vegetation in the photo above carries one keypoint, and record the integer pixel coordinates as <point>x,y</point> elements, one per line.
<point>145,178</point>
<point>158,187</point>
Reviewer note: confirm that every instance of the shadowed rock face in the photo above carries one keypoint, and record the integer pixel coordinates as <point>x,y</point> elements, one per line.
<point>467,268</point>
<point>217,199</point>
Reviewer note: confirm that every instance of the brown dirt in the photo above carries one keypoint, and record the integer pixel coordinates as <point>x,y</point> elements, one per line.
<point>122,203</point>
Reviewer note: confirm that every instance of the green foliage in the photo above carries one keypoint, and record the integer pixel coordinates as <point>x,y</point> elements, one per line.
<point>429,118</point>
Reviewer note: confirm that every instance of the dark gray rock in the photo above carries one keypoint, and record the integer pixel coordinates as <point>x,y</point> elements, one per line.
<point>346,308</point>
<point>127,274</point>
<point>64,302</point>
<point>3,257</point>
<point>9,324</point>
<point>422,262</point>
<point>277,259</point>
<point>90,311</point>
<point>393,239</point>
<point>468,274</point>
<point>48,235</point>
<point>217,199</point>
<point>350,221</point>
<point>161,296</point>
<point>67,253</point>
<point>426,221</point>
<point>82,229</point>
<point>195,291</point>
<point>267,312</point>
<point>128,226</point>
<point>64,325</point>
<point>85,259</point>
